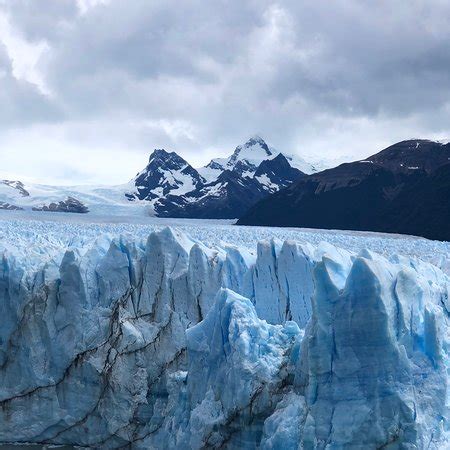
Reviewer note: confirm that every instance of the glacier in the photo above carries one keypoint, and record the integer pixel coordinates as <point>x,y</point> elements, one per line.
<point>167,339</point>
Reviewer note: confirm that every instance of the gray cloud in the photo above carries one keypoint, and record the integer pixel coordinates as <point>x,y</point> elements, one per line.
<point>48,19</point>
<point>21,102</point>
<point>315,77</point>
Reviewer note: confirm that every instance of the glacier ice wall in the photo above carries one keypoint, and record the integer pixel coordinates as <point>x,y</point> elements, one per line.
<point>171,344</point>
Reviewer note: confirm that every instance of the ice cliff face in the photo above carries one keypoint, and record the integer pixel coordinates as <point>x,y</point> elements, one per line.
<point>171,344</point>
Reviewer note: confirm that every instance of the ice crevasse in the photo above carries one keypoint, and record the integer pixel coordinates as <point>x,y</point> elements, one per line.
<point>170,344</point>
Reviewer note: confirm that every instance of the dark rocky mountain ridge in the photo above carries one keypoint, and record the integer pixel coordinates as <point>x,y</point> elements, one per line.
<point>402,189</point>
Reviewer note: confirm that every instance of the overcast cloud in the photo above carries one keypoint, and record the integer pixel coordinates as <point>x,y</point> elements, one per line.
<point>88,88</point>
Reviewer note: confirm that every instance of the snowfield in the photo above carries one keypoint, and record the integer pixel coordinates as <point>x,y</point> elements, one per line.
<point>208,335</point>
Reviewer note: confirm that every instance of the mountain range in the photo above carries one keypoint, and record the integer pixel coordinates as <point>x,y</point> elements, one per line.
<point>170,187</point>
<point>225,188</point>
<point>405,189</point>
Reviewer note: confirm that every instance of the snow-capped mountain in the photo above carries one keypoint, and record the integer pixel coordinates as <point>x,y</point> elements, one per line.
<point>245,160</point>
<point>233,192</point>
<point>166,173</point>
<point>247,157</point>
<point>225,188</point>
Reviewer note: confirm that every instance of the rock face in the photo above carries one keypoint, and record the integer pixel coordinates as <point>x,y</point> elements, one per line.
<point>228,197</point>
<point>225,189</point>
<point>171,344</point>
<point>9,207</point>
<point>17,185</point>
<point>403,189</point>
<point>17,188</point>
<point>276,173</point>
<point>70,205</point>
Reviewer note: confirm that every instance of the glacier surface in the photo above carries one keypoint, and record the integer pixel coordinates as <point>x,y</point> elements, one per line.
<point>118,335</point>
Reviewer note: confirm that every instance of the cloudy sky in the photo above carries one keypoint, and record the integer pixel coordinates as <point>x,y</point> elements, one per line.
<point>89,87</point>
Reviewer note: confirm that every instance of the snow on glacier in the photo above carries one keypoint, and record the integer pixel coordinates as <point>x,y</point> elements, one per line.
<point>47,232</point>
<point>210,335</point>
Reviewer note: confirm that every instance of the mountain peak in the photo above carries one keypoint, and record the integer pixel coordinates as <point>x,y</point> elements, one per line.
<point>248,156</point>
<point>254,151</point>
<point>161,159</point>
<point>255,143</point>
<point>165,173</point>
<point>255,140</point>
<point>158,152</point>
<point>163,155</point>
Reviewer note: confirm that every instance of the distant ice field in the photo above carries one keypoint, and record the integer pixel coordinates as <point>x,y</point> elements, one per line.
<point>40,235</point>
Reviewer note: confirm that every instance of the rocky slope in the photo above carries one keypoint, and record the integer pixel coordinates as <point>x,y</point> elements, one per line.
<point>403,189</point>
<point>70,205</point>
<point>232,193</point>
